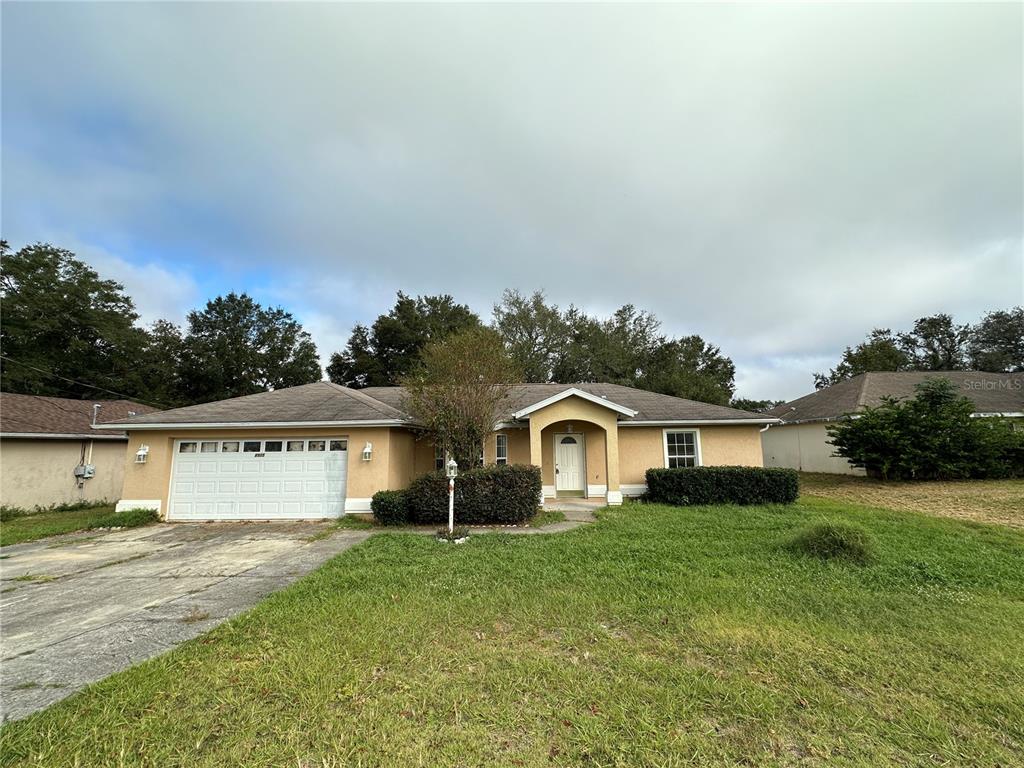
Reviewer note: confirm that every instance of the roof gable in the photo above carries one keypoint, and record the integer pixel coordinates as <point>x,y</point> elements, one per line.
<point>602,401</point>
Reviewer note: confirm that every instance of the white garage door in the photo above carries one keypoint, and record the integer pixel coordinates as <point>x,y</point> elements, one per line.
<point>258,479</point>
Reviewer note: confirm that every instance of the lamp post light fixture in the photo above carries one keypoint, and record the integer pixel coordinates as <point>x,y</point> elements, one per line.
<point>452,470</point>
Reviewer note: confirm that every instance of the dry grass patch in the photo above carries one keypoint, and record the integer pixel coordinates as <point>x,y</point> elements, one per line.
<point>983,501</point>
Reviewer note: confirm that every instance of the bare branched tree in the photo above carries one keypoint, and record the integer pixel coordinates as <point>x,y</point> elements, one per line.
<point>460,389</point>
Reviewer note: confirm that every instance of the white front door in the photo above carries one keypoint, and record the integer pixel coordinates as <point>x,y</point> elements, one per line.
<point>569,472</point>
<point>258,478</point>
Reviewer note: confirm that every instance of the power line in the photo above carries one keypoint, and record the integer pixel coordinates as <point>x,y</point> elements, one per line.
<point>82,383</point>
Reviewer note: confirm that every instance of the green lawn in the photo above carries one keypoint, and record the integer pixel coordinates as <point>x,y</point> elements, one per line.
<point>657,636</point>
<point>37,525</point>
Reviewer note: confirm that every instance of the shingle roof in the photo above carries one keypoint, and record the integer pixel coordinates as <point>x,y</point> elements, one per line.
<point>650,406</point>
<point>990,393</point>
<point>326,402</point>
<point>51,416</point>
<point>319,402</point>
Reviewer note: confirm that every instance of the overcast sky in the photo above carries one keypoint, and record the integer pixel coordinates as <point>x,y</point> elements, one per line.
<point>777,179</point>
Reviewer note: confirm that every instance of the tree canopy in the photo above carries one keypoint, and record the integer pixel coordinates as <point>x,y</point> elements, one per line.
<point>936,343</point>
<point>66,332</point>
<point>389,349</point>
<point>997,342</point>
<point>236,347</point>
<point>550,344</point>
<point>60,321</point>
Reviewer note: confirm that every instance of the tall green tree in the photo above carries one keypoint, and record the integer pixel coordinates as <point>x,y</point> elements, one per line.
<point>881,351</point>
<point>534,332</point>
<point>59,320</point>
<point>691,368</point>
<point>158,367</point>
<point>627,348</point>
<point>389,349</point>
<point>615,350</point>
<point>997,342</point>
<point>936,343</point>
<point>235,346</point>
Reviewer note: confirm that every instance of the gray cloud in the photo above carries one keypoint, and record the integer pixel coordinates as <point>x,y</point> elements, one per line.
<point>779,179</point>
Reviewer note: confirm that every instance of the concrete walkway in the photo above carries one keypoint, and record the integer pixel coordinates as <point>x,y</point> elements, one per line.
<point>77,608</point>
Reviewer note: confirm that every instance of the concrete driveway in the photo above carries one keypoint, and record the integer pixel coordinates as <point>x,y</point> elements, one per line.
<point>76,608</point>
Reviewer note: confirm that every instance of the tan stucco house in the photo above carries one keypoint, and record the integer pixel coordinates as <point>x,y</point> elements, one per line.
<point>322,450</point>
<point>801,441</point>
<point>50,455</point>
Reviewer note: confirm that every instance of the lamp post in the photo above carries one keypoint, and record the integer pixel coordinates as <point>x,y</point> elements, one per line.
<point>452,470</point>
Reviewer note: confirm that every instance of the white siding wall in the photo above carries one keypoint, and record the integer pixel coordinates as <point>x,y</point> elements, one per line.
<point>804,447</point>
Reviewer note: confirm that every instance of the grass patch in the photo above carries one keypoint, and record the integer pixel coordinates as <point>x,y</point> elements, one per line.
<point>40,577</point>
<point>356,523</point>
<point>38,525</point>
<point>656,636</point>
<point>546,516</point>
<point>346,523</point>
<point>983,501</point>
<point>833,541</point>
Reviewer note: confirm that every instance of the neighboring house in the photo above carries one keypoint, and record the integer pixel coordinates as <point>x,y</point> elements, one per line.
<point>801,441</point>
<point>321,450</point>
<point>47,445</point>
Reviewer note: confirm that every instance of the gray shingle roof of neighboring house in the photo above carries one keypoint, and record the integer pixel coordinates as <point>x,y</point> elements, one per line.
<point>327,402</point>
<point>56,417</point>
<point>991,393</point>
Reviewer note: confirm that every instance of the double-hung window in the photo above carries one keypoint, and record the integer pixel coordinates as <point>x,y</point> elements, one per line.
<point>681,449</point>
<point>438,458</point>
<point>501,449</point>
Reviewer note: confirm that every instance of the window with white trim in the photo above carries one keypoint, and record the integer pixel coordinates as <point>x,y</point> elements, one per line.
<point>501,449</point>
<point>438,458</point>
<point>681,449</point>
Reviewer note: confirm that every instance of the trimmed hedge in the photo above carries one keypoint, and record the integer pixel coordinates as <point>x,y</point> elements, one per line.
<point>507,494</point>
<point>390,507</point>
<point>688,486</point>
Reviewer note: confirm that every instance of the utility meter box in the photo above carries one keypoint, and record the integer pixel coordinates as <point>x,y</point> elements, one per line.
<point>85,471</point>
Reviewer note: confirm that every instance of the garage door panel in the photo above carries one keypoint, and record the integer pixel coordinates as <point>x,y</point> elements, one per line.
<point>226,485</point>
